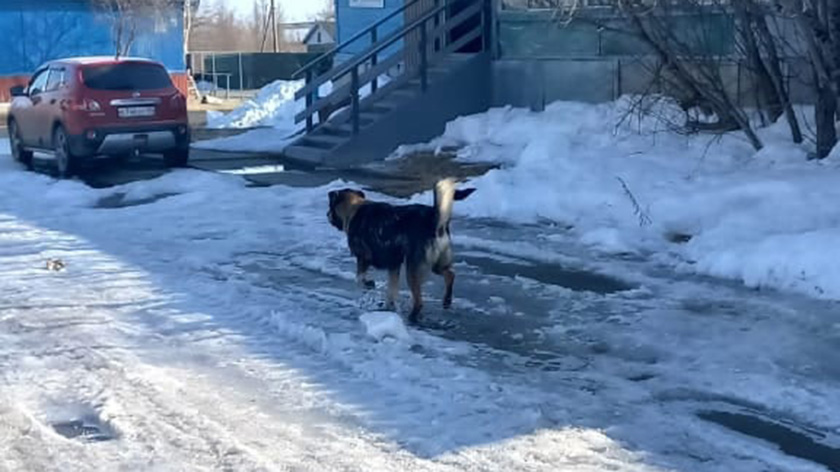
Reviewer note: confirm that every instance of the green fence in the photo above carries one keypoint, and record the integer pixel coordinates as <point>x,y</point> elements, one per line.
<point>247,71</point>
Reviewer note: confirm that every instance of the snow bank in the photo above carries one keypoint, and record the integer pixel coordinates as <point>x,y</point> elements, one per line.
<point>625,183</point>
<point>261,140</point>
<point>274,106</point>
<point>272,112</point>
<point>385,324</point>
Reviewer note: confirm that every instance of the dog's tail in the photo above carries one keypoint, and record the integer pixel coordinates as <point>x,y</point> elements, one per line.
<point>445,196</point>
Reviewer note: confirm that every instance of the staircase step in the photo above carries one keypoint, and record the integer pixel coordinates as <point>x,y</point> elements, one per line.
<point>324,141</point>
<point>380,107</point>
<point>305,153</point>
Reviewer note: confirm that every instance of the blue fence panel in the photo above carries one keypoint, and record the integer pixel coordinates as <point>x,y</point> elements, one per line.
<point>36,33</point>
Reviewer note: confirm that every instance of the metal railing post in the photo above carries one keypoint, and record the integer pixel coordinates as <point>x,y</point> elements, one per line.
<point>424,59</point>
<point>354,95</point>
<point>215,78</point>
<point>487,25</point>
<point>241,74</point>
<point>309,100</point>
<point>373,61</point>
<point>435,23</point>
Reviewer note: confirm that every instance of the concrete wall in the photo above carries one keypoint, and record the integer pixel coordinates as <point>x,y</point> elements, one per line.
<point>537,82</point>
<point>537,34</point>
<point>542,60</point>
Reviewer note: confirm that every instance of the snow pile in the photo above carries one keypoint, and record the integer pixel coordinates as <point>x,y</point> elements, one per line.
<point>384,324</point>
<point>272,112</point>
<point>625,183</point>
<point>274,106</point>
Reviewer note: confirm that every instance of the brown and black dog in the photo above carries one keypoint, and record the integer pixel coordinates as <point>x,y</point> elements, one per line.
<point>387,237</point>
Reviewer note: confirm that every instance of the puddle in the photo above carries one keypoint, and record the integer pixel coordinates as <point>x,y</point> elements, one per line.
<point>577,280</point>
<point>790,441</point>
<point>87,429</point>
<point>118,201</point>
<point>641,377</point>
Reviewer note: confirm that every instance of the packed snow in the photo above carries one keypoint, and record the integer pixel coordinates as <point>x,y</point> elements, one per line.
<point>270,117</point>
<point>202,324</point>
<point>382,325</point>
<point>274,106</point>
<point>627,184</point>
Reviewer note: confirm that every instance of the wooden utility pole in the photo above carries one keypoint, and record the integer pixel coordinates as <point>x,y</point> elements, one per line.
<point>274,25</point>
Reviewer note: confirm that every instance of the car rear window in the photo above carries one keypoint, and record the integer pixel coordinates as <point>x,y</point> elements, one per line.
<point>126,77</point>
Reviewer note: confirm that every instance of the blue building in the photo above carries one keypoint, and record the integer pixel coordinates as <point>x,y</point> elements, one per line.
<point>353,16</point>
<point>34,32</point>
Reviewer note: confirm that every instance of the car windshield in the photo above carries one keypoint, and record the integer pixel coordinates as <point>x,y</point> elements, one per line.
<point>126,77</point>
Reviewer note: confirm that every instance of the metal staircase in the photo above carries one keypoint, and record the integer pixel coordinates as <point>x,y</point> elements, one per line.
<point>402,88</point>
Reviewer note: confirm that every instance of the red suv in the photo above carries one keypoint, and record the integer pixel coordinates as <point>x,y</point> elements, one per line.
<point>84,108</point>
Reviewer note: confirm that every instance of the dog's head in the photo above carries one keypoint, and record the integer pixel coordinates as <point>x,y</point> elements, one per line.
<point>342,204</point>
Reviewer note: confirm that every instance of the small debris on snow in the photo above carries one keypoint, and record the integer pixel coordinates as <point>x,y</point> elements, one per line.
<point>385,324</point>
<point>55,265</point>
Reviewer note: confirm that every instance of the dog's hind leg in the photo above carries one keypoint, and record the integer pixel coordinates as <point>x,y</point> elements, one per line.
<point>362,266</point>
<point>449,281</point>
<point>393,288</point>
<point>414,277</point>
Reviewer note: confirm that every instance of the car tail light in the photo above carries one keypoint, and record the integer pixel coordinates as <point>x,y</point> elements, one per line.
<point>178,102</point>
<point>83,105</point>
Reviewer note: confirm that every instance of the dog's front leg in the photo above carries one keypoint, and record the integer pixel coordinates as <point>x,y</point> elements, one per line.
<point>415,283</point>
<point>362,266</point>
<point>393,288</point>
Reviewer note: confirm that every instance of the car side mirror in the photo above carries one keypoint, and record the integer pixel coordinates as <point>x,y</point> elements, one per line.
<point>18,91</point>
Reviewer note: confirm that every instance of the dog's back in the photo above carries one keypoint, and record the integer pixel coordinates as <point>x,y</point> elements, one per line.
<point>389,235</point>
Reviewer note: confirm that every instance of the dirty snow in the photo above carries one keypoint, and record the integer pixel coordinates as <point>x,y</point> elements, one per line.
<point>626,184</point>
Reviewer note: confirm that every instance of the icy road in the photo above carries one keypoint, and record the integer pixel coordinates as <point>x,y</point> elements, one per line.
<point>192,323</point>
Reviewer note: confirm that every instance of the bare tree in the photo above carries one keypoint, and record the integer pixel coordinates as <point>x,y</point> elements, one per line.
<point>46,35</point>
<point>760,49</point>
<point>687,55</point>
<point>327,13</point>
<point>127,17</point>
<point>818,22</point>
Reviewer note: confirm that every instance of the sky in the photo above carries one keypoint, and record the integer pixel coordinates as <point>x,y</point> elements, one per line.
<point>293,10</point>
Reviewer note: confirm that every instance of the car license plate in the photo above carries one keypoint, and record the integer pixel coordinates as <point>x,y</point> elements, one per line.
<point>135,112</point>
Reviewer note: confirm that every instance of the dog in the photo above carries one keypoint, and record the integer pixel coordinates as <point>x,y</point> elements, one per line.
<point>388,237</point>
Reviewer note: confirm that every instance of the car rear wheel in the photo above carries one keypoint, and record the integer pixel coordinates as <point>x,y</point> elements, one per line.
<point>177,157</point>
<point>65,161</point>
<point>18,152</point>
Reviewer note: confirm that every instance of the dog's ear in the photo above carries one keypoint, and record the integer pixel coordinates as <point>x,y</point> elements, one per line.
<point>360,194</point>
<point>333,196</point>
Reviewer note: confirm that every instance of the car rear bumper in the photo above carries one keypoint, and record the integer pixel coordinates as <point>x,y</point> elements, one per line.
<point>116,141</point>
